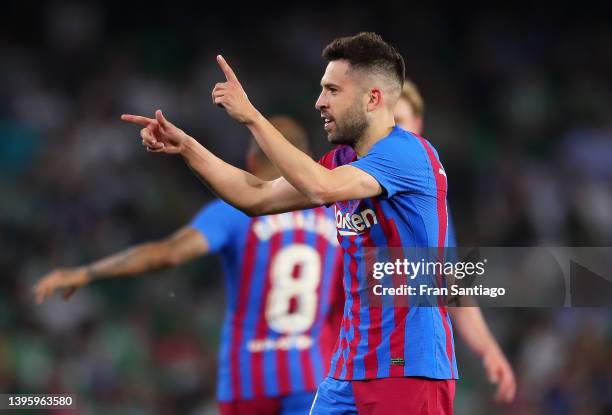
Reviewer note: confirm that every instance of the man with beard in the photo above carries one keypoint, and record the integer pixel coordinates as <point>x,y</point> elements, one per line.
<point>388,188</point>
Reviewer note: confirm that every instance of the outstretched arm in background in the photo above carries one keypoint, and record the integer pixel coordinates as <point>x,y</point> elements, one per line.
<point>473,330</point>
<point>184,245</point>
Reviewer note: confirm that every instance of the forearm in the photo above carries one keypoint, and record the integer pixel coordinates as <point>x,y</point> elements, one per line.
<point>306,175</point>
<point>472,328</point>
<point>130,262</point>
<point>239,188</point>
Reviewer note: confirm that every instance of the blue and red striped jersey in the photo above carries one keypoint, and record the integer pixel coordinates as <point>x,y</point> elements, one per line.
<point>284,293</point>
<point>387,339</point>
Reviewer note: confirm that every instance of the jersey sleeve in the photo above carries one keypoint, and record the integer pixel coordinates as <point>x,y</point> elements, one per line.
<point>398,165</point>
<point>217,222</point>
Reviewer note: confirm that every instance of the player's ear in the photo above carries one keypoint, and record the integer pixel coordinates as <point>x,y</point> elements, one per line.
<point>374,99</point>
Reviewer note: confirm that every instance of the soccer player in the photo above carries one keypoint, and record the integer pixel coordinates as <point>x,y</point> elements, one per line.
<point>388,189</point>
<point>467,319</point>
<point>282,285</point>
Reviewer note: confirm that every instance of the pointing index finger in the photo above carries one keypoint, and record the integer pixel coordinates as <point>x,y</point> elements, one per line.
<point>227,70</point>
<point>137,119</point>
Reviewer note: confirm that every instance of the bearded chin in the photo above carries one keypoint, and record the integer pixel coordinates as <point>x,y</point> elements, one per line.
<point>350,131</point>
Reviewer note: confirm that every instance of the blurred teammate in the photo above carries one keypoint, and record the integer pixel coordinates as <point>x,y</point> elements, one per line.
<point>388,188</point>
<point>282,283</point>
<point>468,321</point>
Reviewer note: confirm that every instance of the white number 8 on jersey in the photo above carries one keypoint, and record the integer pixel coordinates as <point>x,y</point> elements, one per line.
<point>285,286</point>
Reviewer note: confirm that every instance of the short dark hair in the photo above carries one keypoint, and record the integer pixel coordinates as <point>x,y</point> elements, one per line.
<point>367,50</point>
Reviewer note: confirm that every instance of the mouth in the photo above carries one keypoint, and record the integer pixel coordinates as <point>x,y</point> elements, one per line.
<point>328,123</point>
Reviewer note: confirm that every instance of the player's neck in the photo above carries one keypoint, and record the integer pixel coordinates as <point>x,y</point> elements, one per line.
<point>376,132</point>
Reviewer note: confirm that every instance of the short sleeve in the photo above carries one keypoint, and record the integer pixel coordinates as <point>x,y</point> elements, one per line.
<point>217,222</point>
<point>399,164</point>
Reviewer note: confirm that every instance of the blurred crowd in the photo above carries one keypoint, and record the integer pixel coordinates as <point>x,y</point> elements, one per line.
<point>517,105</point>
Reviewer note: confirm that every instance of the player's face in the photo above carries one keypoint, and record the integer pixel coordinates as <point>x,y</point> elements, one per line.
<point>341,104</point>
<point>405,117</point>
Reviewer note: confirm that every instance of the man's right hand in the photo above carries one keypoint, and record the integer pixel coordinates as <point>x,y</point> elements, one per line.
<point>159,135</point>
<point>231,96</point>
<point>68,279</point>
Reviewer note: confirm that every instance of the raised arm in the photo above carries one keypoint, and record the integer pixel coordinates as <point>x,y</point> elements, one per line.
<point>182,246</point>
<point>319,184</point>
<point>237,187</point>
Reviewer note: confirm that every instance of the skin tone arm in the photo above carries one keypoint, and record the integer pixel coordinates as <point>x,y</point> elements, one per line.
<point>243,190</point>
<point>319,184</point>
<point>304,184</point>
<point>182,246</point>
<point>472,328</point>
<point>237,187</point>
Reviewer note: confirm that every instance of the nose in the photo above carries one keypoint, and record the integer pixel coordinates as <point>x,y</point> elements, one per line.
<point>321,101</point>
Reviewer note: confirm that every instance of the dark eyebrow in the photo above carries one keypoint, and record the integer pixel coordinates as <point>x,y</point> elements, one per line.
<point>329,85</point>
